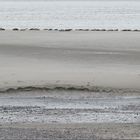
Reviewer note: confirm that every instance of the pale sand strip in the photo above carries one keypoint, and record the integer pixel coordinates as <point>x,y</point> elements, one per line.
<point>76,58</point>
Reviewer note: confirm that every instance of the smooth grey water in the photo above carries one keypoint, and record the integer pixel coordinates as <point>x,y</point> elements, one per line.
<point>70,14</point>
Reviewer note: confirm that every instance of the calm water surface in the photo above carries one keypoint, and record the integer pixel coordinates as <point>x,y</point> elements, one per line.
<point>70,14</point>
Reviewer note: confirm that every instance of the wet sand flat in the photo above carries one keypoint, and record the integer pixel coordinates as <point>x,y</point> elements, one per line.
<point>63,106</point>
<point>71,131</point>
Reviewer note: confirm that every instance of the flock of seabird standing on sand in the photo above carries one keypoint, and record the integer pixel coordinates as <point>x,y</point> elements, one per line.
<point>37,29</point>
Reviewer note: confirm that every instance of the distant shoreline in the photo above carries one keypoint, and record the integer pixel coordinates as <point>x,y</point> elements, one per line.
<point>67,29</point>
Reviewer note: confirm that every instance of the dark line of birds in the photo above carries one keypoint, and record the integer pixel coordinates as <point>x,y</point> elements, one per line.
<point>37,29</point>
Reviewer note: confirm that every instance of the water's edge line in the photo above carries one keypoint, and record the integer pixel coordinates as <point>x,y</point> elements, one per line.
<point>68,88</point>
